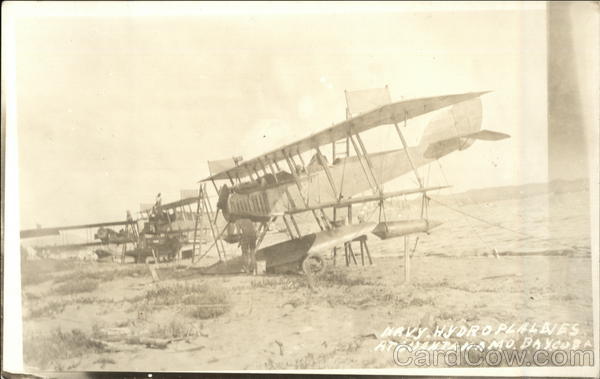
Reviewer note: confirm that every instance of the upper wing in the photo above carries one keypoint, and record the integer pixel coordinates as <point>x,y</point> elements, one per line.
<point>384,115</point>
<point>180,203</point>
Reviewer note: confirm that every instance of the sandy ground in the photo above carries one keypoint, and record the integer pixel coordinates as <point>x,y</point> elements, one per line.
<point>278,322</point>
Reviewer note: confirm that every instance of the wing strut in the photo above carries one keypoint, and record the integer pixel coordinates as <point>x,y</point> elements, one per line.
<point>325,219</point>
<point>274,172</point>
<point>287,192</point>
<point>412,165</point>
<point>360,157</point>
<point>287,227</point>
<point>369,163</point>
<point>323,164</point>
<point>405,145</point>
<point>264,168</point>
<point>297,180</point>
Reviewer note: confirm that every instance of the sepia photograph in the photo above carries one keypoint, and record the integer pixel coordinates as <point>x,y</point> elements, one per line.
<point>300,187</point>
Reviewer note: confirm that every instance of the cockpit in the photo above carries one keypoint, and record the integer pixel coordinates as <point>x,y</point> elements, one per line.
<point>263,182</point>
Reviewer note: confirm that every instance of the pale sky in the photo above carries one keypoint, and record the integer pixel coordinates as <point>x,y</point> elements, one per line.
<point>114,109</point>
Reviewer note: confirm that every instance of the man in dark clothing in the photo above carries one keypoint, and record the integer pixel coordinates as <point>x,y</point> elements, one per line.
<point>248,244</point>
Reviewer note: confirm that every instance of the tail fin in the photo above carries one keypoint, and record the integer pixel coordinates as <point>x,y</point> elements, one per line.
<point>462,118</point>
<point>456,129</point>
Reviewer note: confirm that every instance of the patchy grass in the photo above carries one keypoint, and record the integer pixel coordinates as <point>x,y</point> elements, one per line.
<point>419,301</point>
<point>312,361</point>
<point>31,278</point>
<point>38,271</point>
<point>48,265</point>
<point>431,284</point>
<point>308,361</point>
<point>400,299</point>
<point>30,296</point>
<point>91,300</point>
<point>178,293</point>
<point>332,276</point>
<point>58,306</point>
<point>104,361</point>
<point>45,351</point>
<point>295,302</point>
<point>176,328</point>
<point>201,300</point>
<point>210,302</point>
<point>104,275</point>
<point>342,277</point>
<point>76,276</point>
<point>567,297</point>
<point>370,295</point>
<point>208,311</point>
<point>73,287</point>
<point>87,280</point>
<point>279,282</point>
<point>50,309</point>
<point>170,294</point>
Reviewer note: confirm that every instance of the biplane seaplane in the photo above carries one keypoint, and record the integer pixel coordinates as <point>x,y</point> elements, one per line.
<point>298,179</point>
<point>161,232</point>
<point>47,241</point>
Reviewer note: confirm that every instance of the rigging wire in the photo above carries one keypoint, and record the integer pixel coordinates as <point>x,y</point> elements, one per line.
<point>497,224</point>
<point>505,228</point>
<point>485,243</point>
<point>425,199</point>
<point>381,166</point>
<point>424,203</point>
<point>368,218</point>
<point>343,175</point>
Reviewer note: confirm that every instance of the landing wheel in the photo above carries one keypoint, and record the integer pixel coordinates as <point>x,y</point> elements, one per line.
<point>313,264</point>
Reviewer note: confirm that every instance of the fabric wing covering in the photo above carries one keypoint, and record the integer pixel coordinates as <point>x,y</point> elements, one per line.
<point>384,115</point>
<point>364,100</point>
<point>222,165</point>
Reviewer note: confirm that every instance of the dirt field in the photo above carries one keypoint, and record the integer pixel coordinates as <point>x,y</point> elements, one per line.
<point>105,316</point>
<point>277,322</point>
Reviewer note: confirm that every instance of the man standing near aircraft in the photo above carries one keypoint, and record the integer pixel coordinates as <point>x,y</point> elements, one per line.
<point>248,244</point>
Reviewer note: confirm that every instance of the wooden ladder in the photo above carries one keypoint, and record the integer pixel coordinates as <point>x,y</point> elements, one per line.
<point>208,211</point>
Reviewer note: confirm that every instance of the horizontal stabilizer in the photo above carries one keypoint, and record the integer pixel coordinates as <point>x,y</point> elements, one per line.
<point>488,135</point>
<point>461,119</point>
<point>438,149</point>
